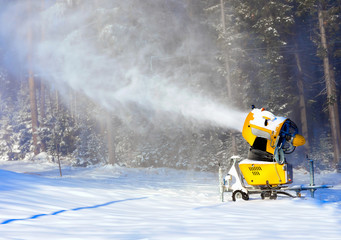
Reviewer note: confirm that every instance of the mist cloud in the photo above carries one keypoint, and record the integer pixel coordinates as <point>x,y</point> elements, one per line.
<point>131,57</point>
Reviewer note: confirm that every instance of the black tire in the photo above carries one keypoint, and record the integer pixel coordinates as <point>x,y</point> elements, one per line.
<point>245,196</point>
<point>238,194</point>
<point>262,195</point>
<point>265,195</point>
<point>273,196</point>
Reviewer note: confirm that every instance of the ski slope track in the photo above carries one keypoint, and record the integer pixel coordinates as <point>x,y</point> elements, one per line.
<point>111,202</point>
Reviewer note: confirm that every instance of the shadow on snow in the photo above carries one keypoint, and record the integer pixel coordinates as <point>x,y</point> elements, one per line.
<point>74,209</point>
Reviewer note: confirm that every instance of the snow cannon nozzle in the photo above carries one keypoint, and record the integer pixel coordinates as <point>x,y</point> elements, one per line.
<point>298,140</point>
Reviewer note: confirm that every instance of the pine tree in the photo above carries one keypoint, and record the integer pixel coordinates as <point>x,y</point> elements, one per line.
<point>32,88</point>
<point>326,15</point>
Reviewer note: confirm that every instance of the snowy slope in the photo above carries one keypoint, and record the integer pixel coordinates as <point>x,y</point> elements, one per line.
<point>118,203</point>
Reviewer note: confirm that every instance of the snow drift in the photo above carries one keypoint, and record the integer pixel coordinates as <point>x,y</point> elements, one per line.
<point>119,203</point>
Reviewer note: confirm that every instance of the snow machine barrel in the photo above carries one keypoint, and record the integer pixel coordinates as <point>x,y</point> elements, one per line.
<point>270,134</point>
<point>270,137</point>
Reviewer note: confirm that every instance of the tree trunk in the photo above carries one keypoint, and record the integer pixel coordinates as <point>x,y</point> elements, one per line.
<point>108,119</point>
<point>42,101</point>
<point>42,112</point>
<point>57,101</point>
<point>331,93</point>
<point>71,103</point>
<point>302,105</point>
<point>32,89</point>
<point>227,76</point>
<point>34,112</point>
<point>111,151</point>
<point>42,86</point>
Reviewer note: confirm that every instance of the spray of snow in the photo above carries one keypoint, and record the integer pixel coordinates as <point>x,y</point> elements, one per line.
<point>108,55</point>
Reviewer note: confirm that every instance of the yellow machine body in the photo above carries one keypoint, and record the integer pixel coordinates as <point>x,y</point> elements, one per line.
<point>265,173</point>
<point>265,169</point>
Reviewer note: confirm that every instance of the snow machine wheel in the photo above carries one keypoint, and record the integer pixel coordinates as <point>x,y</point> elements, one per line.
<point>273,196</point>
<point>265,195</point>
<point>268,195</point>
<point>238,194</point>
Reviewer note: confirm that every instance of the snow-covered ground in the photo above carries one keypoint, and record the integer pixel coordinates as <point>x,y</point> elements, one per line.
<point>108,202</point>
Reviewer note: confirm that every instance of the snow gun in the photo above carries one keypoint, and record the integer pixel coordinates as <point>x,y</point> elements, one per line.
<point>265,171</point>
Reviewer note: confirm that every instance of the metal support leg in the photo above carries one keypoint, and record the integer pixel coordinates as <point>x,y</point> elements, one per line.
<point>221,184</point>
<point>312,178</point>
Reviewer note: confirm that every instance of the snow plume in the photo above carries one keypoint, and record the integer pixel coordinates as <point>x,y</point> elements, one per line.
<point>134,58</point>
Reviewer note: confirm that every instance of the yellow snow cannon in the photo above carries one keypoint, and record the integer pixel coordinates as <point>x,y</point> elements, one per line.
<point>265,170</point>
<point>270,137</point>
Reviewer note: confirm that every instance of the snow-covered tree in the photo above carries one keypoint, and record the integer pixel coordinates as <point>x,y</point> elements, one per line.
<point>326,17</point>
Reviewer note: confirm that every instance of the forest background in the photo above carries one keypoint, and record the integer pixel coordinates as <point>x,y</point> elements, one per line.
<point>166,83</point>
